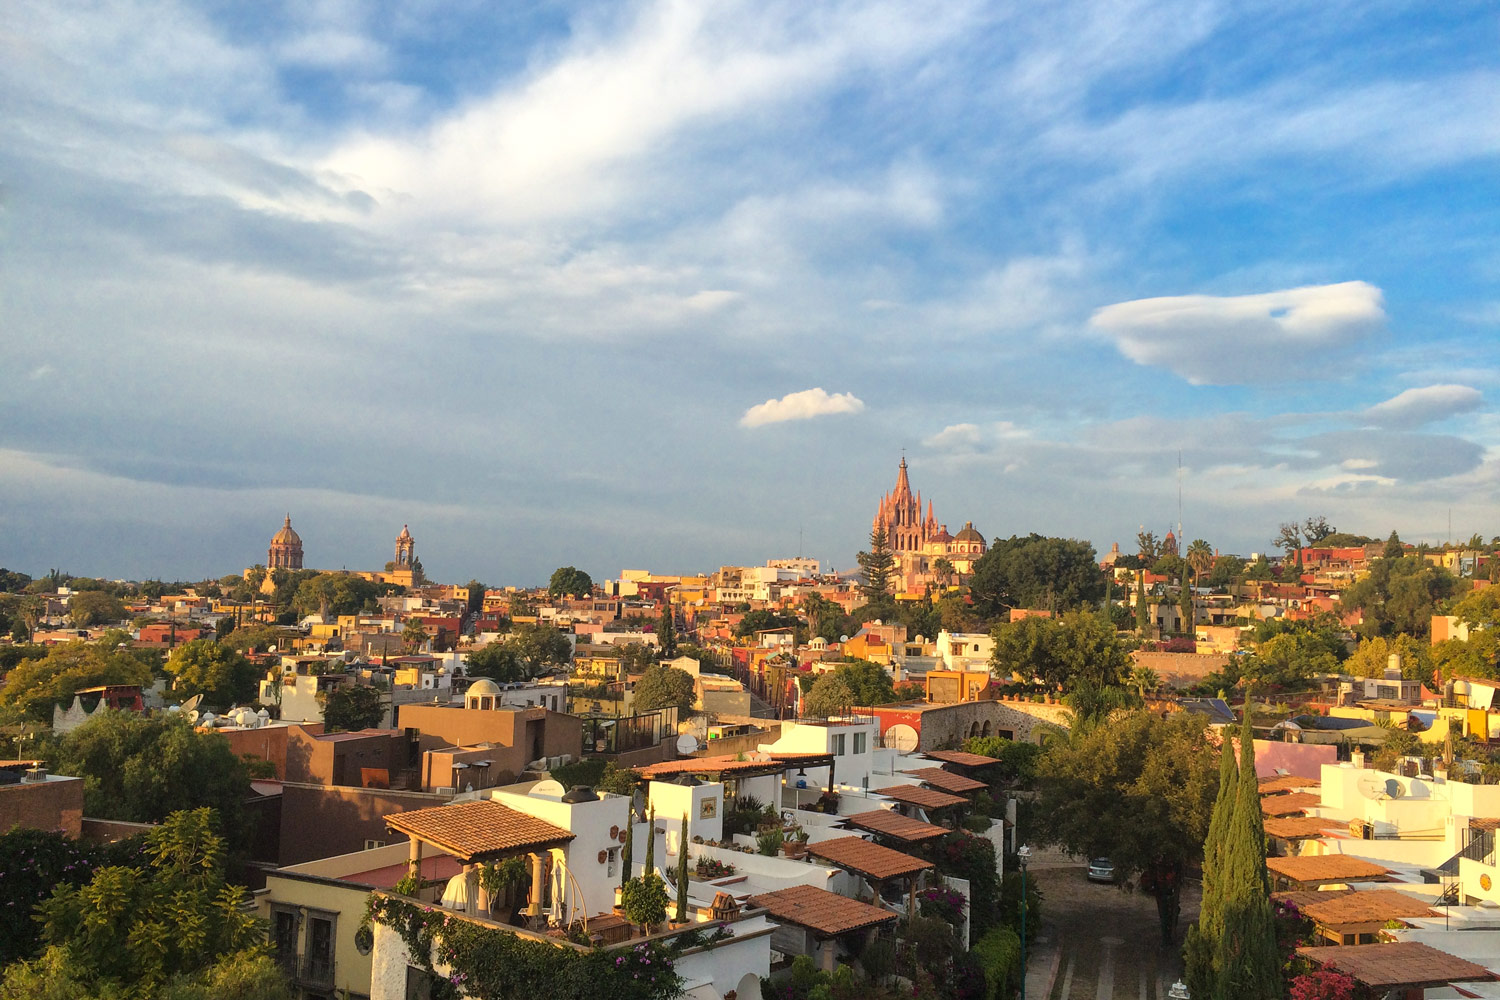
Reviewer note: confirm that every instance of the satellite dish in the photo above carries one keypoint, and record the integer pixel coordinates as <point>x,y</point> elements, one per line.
<point>192,703</point>
<point>1373,786</point>
<point>843,638</point>
<point>687,743</point>
<point>1394,788</point>
<point>901,738</point>
<point>548,789</point>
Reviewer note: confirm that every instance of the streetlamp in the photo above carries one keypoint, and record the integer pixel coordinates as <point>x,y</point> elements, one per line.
<point>1024,855</point>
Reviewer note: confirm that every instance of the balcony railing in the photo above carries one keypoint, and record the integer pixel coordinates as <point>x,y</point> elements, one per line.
<point>317,971</point>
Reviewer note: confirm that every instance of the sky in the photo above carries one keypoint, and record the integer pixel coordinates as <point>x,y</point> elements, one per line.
<point>674,285</point>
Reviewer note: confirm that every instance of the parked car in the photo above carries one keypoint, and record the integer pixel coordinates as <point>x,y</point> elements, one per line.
<point>1101,870</point>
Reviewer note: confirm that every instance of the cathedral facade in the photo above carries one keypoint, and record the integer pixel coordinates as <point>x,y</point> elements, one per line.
<point>918,541</point>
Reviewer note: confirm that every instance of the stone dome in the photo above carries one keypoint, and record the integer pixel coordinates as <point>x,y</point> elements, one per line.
<point>483,686</point>
<point>969,534</point>
<point>286,536</point>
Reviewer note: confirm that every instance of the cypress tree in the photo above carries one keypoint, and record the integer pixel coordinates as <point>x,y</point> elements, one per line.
<point>1203,938</point>
<point>627,856</point>
<point>682,878</point>
<point>1142,615</point>
<point>1247,962</point>
<point>650,841</point>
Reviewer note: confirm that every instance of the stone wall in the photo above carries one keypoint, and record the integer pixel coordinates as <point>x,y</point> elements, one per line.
<point>55,804</point>
<point>1181,670</point>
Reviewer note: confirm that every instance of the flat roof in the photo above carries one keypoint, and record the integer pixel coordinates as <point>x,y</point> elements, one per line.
<point>1288,804</point>
<point>825,913</point>
<point>1327,868</point>
<point>1403,963</point>
<point>862,857</point>
<point>946,780</point>
<point>434,867</point>
<point>892,824</point>
<point>479,829</point>
<point>927,798</point>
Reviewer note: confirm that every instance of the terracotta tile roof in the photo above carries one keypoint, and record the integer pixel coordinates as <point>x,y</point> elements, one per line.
<point>960,758</point>
<point>927,798</point>
<point>1374,906</point>
<point>946,780</point>
<point>1484,823</point>
<point>470,830</point>
<point>1288,804</point>
<point>820,911</point>
<point>1326,868</point>
<point>859,855</point>
<point>1404,963</point>
<point>1286,783</point>
<point>725,764</point>
<point>1303,897</point>
<point>1299,827</point>
<point>893,824</point>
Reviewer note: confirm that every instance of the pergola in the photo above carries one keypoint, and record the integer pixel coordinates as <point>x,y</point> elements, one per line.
<point>725,766</point>
<point>877,865</point>
<point>1290,828</point>
<point>826,915</point>
<point>1348,918</point>
<point>1312,871</point>
<point>887,823</point>
<point>480,832</point>
<point>946,781</point>
<point>926,798</point>
<point>961,758</point>
<point>1288,803</point>
<point>1404,965</point>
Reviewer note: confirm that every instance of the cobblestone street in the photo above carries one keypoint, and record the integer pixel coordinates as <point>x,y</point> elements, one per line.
<point>1099,942</point>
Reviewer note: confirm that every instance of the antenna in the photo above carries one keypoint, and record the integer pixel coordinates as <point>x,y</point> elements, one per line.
<point>1179,498</point>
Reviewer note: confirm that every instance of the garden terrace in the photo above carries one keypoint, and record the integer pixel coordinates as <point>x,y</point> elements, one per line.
<point>946,781</point>
<point>1403,965</point>
<point>927,798</point>
<point>886,823</point>
<point>1329,869</point>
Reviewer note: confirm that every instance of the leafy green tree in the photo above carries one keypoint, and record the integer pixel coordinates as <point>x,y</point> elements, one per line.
<point>1289,540</point>
<point>877,565</point>
<point>329,594</point>
<point>1139,791</point>
<point>1018,759</point>
<point>1144,679</point>
<point>1317,530</point>
<point>539,648</point>
<point>666,632</point>
<point>1081,646</point>
<point>568,581</point>
<point>1399,595</point>
<point>759,621</point>
<point>1036,572</point>
<point>942,568</point>
<point>142,768</point>
<point>476,596</point>
<point>1289,660</point>
<point>1148,547</point>
<point>132,929</point>
<point>221,674</point>
<point>1478,656</point>
<point>1478,608</point>
<point>1200,558</point>
<point>664,687</point>
<point>413,636</point>
<point>497,661</point>
<point>351,707</point>
<point>95,607</point>
<point>868,682</point>
<point>825,618</point>
<point>828,697</point>
<point>34,862</point>
<point>1226,570</point>
<point>1373,656</point>
<point>35,685</point>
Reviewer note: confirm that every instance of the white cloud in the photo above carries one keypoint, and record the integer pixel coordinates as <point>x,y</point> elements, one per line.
<point>802,405</point>
<point>1219,340</point>
<point>40,372</point>
<point>1415,407</point>
<point>955,437</point>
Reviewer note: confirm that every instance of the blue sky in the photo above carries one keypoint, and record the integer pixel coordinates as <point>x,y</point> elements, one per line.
<point>672,284</point>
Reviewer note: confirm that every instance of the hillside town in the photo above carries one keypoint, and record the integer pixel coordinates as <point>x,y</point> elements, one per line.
<point>937,775</point>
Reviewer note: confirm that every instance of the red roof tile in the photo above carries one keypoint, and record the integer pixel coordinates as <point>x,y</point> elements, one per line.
<point>1404,963</point>
<point>470,830</point>
<point>1326,868</point>
<point>824,913</point>
<point>1289,804</point>
<point>893,824</point>
<point>960,757</point>
<point>859,855</point>
<point>946,780</point>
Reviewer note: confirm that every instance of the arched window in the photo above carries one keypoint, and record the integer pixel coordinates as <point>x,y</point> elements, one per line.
<point>986,730</point>
<point>973,730</point>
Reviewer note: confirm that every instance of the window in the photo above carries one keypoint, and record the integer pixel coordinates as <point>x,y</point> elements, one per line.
<point>284,936</point>
<point>859,742</point>
<point>317,966</point>
<point>838,744</point>
<point>418,983</point>
<point>370,845</point>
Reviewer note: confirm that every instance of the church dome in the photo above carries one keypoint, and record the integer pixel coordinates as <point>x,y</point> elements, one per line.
<point>483,686</point>
<point>969,534</point>
<point>286,536</point>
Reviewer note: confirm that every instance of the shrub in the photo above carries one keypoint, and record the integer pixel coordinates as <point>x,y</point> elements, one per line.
<point>999,953</point>
<point>769,842</point>
<point>644,900</point>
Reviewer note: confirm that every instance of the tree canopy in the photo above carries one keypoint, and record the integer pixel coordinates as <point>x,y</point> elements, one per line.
<point>538,648</point>
<point>35,685</point>
<point>829,696</point>
<point>220,673</point>
<point>1399,594</point>
<point>95,607</point>
<point>352,707</point>
<point>134,931</point>
<point>142,768</point>
<point>1080,647</point>
<point>1036,572</point>
<point>868,682</point>
<point>1139,790</point>
<point>664,687</point>
<point>337,594</point>
<point>568,581</point>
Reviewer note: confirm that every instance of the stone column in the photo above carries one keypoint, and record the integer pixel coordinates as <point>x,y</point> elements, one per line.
<point>534,907</point>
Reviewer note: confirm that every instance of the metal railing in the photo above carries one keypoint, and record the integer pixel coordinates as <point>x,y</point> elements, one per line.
<point>317,971</point>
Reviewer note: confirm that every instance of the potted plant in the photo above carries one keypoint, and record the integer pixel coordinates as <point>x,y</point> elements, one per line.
<point>644,901</point>
<point>769,842</point>
<point>794,842</point>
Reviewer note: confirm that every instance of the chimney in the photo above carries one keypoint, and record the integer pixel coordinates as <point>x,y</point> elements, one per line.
<point>1357,758</point>
<point>34,774</point>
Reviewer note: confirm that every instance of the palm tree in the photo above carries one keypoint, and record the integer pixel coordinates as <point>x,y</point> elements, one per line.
<point>413,636</point>
<point>1200,556</point>
<point>1144,679</point>
<point>943,568</point>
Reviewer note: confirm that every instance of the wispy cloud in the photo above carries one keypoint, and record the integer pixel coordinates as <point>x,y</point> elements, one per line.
<point>1215,340</point>
<point>804,405</point>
